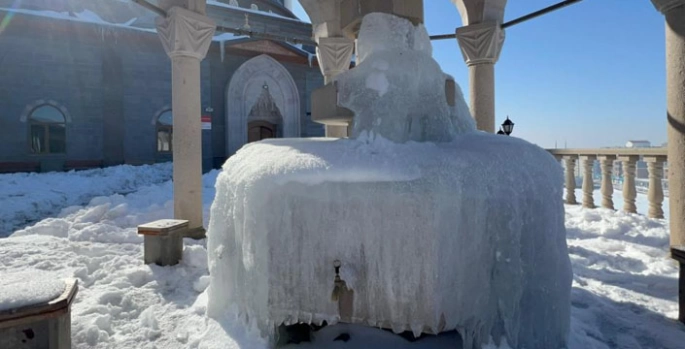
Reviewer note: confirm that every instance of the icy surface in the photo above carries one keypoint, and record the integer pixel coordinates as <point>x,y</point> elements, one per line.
<point>398,90</point>
<point>442,236</point>
<point>28,197</point>
<point>435,228</point>
<point>19,289</point>
<point>624,292</point>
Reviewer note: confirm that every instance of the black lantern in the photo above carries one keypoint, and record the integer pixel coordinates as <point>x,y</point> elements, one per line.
<point>500,132</point>
<point>507,126</point>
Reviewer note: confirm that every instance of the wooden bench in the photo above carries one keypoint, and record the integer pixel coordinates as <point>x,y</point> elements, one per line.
<point>45,325</point>
<point>164,241</point>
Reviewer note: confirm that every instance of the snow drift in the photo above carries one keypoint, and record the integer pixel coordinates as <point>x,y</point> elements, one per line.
<point>437,228</point>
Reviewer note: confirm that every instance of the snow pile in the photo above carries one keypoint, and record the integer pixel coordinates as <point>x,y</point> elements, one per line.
<point>398,90</point>
<point>624,291</point>
<point>20,289</point>
<point>28,197</point>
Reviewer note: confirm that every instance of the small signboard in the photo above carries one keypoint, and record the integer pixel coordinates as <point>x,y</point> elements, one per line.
<point>206,122</point>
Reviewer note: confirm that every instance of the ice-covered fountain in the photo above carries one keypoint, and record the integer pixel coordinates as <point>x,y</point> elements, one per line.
<point>418,222</point>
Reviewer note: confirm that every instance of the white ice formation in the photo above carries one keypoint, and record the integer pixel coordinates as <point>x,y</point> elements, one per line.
<point>438,229</point>
<point>398,90</point>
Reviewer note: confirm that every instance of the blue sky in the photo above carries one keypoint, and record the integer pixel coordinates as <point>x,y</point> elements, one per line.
<point>588,75</point>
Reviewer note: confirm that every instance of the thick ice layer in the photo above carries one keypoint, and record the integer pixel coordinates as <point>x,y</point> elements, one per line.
<point>398,90</point>
<point>465,235</point>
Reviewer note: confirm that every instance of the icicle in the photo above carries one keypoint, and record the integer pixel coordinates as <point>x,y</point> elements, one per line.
<point>222,46</point>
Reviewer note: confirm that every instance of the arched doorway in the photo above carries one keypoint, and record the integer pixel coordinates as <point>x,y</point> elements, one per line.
<point>264,117</point>
<point>261,90</point>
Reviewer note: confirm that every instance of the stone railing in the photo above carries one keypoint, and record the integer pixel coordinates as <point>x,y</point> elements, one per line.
<point>654,157</point>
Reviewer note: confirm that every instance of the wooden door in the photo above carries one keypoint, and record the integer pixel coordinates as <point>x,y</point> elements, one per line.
<point>258,130</point>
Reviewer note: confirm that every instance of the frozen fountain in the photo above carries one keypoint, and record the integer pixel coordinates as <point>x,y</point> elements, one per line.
<point>418,222</point>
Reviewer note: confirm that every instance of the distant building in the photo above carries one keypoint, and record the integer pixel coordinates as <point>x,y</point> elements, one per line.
<point>86,83</point>
<point>638,144</point>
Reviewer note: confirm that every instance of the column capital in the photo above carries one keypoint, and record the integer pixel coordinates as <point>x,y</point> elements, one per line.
<point>185,33</point>
<point>334,54</point>
<point>481,43</point>
<point>664,6</point>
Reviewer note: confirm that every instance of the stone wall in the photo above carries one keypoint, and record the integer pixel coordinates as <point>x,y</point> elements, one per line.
<point>113,82</point>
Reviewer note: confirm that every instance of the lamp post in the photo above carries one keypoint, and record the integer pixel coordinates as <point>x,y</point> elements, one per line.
<point>507,127</point>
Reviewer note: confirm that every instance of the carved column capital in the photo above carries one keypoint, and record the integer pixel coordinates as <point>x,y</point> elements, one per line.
<point>334,54</point>
<point>664,6</point>
<point>481,43</point>
<point>185,33</point>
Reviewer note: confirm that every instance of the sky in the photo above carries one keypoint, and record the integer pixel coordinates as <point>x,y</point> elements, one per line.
<point>589,75</point>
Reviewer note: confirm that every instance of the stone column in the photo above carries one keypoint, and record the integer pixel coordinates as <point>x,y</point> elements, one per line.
<point>655,165</point>
<point>186,36</point>
<point>606,162</point>
<point>481,45</point>
<point>570,180</point>
<point>334,55</point>
<point>629,191</point>
<point>588,184</point>
<point>674,12</point>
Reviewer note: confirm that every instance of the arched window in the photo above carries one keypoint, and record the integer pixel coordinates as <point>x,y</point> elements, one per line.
<point>254,7</point>
<point>165,132</point>
<point>47,130</point>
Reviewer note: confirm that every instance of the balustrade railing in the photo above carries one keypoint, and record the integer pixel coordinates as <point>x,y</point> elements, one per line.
<point>628,157</point>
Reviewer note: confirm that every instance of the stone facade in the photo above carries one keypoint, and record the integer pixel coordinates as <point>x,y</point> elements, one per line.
<point>112,83</point>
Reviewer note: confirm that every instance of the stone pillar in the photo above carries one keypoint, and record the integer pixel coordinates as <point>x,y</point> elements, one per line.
<point>481,45</point>
<point>570,180</point>
<point>334,55</point>
<point>186,36</point>
<point>606,163</point>
<point>655,165</point>
<point>674,12</point>
<point>629,191</point>
<point>588,185</point>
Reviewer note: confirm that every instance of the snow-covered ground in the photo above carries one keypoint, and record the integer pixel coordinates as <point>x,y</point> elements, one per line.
<point>624,291</point>
<point>29,197</point>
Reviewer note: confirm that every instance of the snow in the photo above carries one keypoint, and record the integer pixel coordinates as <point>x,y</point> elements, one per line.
<point>86,16</point>
<point>28,197</point>
<point>624,291</point>
<point>396,206</point>
<point>398,90</point>
<point>20,289</point>
<point>263,13</point>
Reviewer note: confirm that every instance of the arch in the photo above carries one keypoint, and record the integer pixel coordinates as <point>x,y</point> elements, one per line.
<point>164,129</point>
<point>159,112</point>
<point>41,102</point>
<point>47,130</point>
<point>244,89</point>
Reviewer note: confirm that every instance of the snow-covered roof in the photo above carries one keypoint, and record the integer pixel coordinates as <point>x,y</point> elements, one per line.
<point>115,13</point>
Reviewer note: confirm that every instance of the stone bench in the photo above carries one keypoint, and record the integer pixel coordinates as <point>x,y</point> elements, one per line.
<point>44,325</point>
<point>163,241</point>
